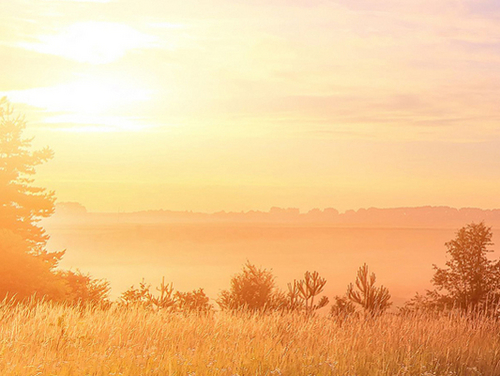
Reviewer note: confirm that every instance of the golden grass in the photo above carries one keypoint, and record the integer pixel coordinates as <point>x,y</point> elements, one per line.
<point>45,339</point>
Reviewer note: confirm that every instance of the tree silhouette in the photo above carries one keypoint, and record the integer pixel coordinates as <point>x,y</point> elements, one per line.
<point>301,294</point>
<point>167,300</point>
<point>252,289</point>
<point>28,267</point>
<point>373,300</point>
<point>85,291</point>
<point>194,301</point>
<point>470,277</point>
<point>22,205</point>
<point>140,296</point>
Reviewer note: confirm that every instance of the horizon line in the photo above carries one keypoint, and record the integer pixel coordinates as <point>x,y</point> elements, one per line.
<point>290,210</point>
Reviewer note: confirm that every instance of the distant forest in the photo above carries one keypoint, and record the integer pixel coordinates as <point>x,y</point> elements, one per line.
<point>426,216</point>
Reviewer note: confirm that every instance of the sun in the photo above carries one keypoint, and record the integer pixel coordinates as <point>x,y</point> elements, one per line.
<point>89,104</point>
<point>92,42</point>
<point>85,96</point>
<point>90,98</point>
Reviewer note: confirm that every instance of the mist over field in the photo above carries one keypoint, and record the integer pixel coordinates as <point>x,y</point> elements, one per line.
<point>195,250</point>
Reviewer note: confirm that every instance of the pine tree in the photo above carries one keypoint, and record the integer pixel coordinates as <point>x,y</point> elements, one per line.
<point>27,267</point>
<point>373,300</point>
<point>22,205</point>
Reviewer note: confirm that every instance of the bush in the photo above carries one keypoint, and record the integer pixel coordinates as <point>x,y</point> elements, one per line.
<point>194,301</point>
<point>85,291</point>
<point>253,289</point>
<point>343,308</point>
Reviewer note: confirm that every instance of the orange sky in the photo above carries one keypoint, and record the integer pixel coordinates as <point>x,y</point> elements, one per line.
<point>239,105</point>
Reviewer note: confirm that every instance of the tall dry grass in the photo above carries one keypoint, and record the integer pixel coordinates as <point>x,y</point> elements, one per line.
<point>45,339</point>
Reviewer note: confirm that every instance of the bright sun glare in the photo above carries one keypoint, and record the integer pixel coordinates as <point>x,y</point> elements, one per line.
<point>89,99</point>
<point>85,97</point>
<point>92,42</point>
<point>85,103</point>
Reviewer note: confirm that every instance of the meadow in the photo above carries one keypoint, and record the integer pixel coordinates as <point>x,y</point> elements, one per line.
<point>44,339</point>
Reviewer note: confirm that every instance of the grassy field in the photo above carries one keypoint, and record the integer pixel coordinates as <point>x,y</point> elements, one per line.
<point>42,339</point>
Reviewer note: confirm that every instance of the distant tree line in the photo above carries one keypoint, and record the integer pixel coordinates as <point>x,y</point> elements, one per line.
<point>470,281</point>
<point>413,217</point>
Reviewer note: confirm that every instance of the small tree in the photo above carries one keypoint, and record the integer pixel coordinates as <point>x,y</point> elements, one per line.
<point>140,296</point>
<point>302,293</point>
<point>167,299</point>
<point>252,289</point>
<point>470,278</point>
<point>373,300</point>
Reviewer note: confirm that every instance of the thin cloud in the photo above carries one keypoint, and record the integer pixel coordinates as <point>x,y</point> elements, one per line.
<point>92,42</point>
<point>82,97</point>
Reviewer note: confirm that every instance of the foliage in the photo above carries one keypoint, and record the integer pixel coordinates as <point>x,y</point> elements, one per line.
<point>27,267</point>
<point>195,301</point>
<point>168,300</point>
<point>84,290</point>
<point>470,278</point>
<point>301,293</point>
<point>23,274</point>
<point>343,308</point>
<point>373,300</point>
<point>22,205</point>
<point>137,296</point>
<point>253,289</point>
<point>422,303</point>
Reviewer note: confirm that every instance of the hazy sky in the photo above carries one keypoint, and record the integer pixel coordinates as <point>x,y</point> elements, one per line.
<point>238,105</point>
